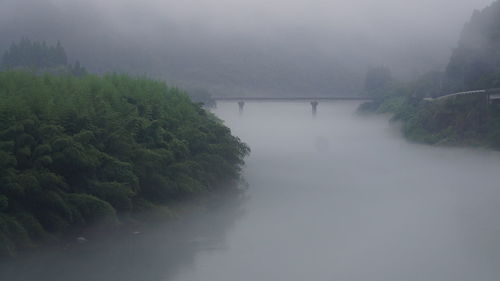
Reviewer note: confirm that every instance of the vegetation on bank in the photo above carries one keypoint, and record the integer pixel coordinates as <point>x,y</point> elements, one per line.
<point>460,120</point>
<point>463,120</point>
<point>81,151</point>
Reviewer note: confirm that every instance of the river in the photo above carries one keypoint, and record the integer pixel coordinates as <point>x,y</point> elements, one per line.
<point>336,197</point>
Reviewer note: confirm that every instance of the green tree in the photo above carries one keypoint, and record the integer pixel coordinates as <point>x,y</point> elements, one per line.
<point>39,56</point>
<point>75,151</point>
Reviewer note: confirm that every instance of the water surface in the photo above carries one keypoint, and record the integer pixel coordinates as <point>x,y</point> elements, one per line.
<point>368,205</point>
<point>337,197</point>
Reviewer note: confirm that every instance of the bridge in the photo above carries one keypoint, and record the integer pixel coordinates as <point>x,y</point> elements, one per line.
<point>491,95</point>
<point>244,99</point>
<point>314,101</point>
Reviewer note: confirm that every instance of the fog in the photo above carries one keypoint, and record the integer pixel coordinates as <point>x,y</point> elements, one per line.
<point>336,196</point>
<point>247,47</point>
<point>333,197</point>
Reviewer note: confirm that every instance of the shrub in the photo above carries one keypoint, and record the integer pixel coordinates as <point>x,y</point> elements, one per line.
<point>93,210</point>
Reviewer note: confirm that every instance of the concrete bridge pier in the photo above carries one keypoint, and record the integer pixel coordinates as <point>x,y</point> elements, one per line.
<point>241,106</point>
<point>314,105</point>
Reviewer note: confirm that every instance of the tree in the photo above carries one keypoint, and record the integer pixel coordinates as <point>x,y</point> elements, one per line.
<point>477,56</point>
<point>40,57</point>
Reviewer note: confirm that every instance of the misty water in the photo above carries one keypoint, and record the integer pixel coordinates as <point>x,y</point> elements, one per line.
<point>335,197</point>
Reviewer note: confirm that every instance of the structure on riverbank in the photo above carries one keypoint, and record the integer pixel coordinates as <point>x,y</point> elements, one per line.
<point>491,95</point>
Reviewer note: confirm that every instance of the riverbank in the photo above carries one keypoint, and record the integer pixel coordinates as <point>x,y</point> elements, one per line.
<point>458,121</point>
<point>134,228</point>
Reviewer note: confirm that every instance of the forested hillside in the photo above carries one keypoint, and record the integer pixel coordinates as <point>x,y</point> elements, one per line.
<point>475,63</point>
<point>464,120</point>
<point>75,152</point>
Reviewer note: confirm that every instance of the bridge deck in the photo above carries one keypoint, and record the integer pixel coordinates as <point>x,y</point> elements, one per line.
<point>494,94</point>
<point>288,98</point>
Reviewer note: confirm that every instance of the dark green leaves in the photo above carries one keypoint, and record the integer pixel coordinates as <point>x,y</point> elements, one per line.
<point>78,151</point>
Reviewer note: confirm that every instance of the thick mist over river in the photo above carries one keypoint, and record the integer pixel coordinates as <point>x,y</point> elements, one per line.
<point>336,197</point>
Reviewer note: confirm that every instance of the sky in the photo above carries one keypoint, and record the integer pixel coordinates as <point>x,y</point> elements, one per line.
<point>194,37</point>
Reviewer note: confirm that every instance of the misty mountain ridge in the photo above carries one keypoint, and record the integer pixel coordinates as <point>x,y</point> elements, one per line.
<point>475,63</point>
<point>277,54</point>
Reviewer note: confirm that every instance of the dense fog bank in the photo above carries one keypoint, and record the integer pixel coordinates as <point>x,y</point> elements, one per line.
<point>240,47</point>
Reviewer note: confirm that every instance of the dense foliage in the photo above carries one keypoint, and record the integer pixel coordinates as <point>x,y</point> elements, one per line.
<point>78,151</point>
<point>475,63</point>
<point>469,120</point>
<point>39,56</point>
<point>464,120</point>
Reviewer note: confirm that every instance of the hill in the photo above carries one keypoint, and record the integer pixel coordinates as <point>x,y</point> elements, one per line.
<point>82,151</point>
<point>475,63</point>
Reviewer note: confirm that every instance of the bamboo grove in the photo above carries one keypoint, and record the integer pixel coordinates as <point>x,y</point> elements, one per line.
<point>78,151</point>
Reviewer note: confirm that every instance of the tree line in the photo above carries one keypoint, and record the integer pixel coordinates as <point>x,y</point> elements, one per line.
<point>40,57</point>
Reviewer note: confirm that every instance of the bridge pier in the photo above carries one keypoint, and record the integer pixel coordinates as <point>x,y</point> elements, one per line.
<point>314,105</point>
<point>241,106</point>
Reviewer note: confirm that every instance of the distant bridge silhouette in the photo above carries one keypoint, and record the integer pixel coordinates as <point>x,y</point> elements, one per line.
<point>490,95</point>
<point>314,101</point>
<point>333,98</point>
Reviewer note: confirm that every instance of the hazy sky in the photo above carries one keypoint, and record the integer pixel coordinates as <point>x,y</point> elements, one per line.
<point>386,26</point>
<point>393,25</point>
<point>262,16</point>
<point>225,36</point>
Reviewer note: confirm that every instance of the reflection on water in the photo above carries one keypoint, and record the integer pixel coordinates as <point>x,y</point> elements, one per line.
<point>334,197</point>
<point>157,253</point>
